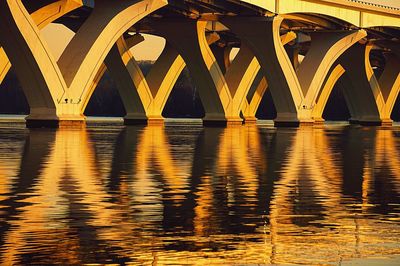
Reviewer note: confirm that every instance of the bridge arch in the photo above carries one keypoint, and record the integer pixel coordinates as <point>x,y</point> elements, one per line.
<point>63,84</point>
<point>41,17</point>
<point>378,93</point>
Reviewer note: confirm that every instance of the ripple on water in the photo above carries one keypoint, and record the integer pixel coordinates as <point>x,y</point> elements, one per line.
<point>191,195</point>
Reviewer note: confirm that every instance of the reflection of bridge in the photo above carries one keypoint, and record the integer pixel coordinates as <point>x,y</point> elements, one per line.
<point>299,48</point>
<point>298,180</point>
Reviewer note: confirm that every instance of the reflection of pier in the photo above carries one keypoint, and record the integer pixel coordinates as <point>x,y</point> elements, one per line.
<point>242,192</point>
<point>312,177</point>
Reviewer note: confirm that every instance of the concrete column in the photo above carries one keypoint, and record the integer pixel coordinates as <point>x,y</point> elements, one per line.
<point>241,75</point>
<point>57,91</point>
<point>144,98</point>
<point>33,63</point>
<point>389,83</point>
<point>325,50</point>
<point>222,55</point>
<point>259,87</point>
<point>5,65</point>
<point>263,36</point>
<point>372,99</point>
<point>320,102</point>
<point>254,98</point>
<point>88,49</point>
<point>42,17</point>
<point>126,74</point>
<point>293,93</point>
<point>216,95</point>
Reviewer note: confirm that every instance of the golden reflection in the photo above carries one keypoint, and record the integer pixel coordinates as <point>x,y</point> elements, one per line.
<point>238,156</point>
<point>9,160</point>
<point>311,165</point>
<point>238,195</point>
<point>38,214</point>
<point>387,155</point>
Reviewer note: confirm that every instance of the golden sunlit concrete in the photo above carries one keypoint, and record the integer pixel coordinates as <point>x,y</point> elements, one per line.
<point>42,18</point>
<point>294,92</point>
<point>59,91</point>
<point>222,95</point>
<point>371,99</point>
<point>144,98</point>
<point>252,103</point>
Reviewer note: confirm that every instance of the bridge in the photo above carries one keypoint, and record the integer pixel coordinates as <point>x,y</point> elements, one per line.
<point>297,49</point>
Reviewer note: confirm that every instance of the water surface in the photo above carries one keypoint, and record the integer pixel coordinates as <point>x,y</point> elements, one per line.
<point>183,194</point>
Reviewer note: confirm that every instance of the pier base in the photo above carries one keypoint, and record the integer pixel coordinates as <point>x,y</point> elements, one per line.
<point>250,120</point>
<point>48,123</point>
<point>381,123</point>
<point>222,123</point>
<point>293,123</point>
<point>146,121</point>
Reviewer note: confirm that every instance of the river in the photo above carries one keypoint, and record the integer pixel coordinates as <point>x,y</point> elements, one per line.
<point>183,194</point>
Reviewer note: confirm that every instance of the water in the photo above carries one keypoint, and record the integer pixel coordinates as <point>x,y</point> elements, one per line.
<point>182,194</point>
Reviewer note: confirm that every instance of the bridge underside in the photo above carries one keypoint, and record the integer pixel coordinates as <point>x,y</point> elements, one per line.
<point>290,49</point>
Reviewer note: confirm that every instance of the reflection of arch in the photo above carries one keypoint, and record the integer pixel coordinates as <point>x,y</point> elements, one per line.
<point>10,171</point>
<point>144,169</point>
<point>231,156</point>
<point>310,180</point>
<point>63,182</point>
<point>153,145</point>
<point>387,154</point>
<point>381,176</point>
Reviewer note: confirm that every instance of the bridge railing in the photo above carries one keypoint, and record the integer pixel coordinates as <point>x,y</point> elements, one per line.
<point>374,4</point>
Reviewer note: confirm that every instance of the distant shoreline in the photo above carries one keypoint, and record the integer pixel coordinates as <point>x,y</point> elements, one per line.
<point>92,120</point>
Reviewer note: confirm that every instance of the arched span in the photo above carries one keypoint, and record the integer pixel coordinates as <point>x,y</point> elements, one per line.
<point>39,99</point>
<point>63,84</point>
<point>378,94</point>
<point>143,96</point>
<point>42,17</point>
<point>335,74</point>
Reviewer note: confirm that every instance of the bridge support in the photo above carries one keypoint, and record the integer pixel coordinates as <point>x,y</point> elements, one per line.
<point>294,92</point>
<point>335,74</point>
<point>371,99</point>
<point>57,92</point>
<point>259,87</point>
<point>144,98</point>
<point>41,17</point>
<point>222,95</point>
<point>222,55</point>
<point>5,65</point>
<point>254,97</point>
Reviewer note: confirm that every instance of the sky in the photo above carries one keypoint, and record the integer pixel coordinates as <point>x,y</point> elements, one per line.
<point>149,49</point>
<point>58,37</point>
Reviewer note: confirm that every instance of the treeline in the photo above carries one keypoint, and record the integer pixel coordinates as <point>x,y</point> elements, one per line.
<point>184,101</point>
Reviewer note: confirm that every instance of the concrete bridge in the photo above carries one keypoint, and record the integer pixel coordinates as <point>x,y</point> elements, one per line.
<point>297,49</point>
